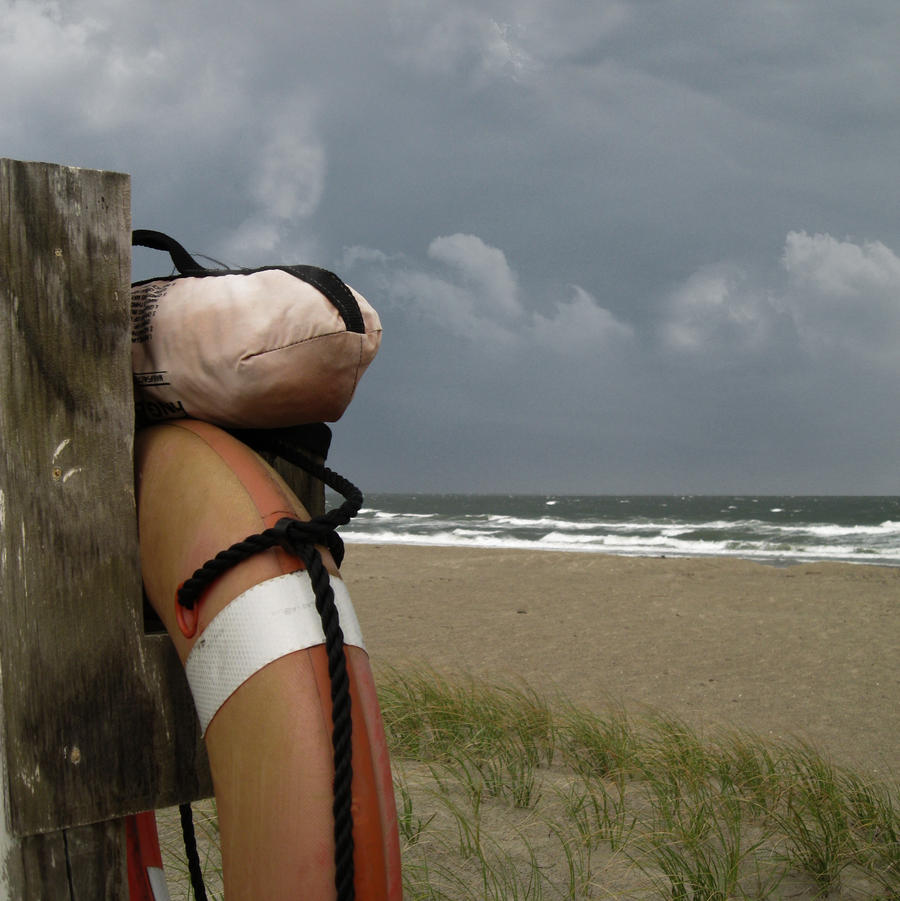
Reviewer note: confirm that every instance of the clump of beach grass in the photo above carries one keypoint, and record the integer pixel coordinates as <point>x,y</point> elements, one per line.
<point>505,794</point>
<point>206,832</point>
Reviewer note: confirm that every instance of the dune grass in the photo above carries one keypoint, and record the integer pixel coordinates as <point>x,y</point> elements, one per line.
<point>504,794</point>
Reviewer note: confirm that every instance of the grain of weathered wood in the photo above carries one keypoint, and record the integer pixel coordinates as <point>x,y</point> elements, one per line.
<point>310,490</point>
<point>93,864</point>
<point>178,754</point>
<point>75,704</point>
<point>96,718</point>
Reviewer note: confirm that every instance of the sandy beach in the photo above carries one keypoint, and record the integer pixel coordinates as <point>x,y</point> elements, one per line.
<point>808,652</point>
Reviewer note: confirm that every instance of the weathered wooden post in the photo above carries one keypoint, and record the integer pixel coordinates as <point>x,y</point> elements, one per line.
<point>97,721</point>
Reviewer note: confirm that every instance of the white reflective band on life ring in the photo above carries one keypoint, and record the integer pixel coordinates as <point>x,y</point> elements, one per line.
<point>268,621</point>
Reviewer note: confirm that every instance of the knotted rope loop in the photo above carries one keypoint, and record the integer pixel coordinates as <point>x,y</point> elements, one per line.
<point>288,533</point>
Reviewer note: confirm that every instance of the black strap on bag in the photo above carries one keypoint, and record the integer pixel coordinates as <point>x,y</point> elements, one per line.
<point>329,284</point>
<point>183,261</point>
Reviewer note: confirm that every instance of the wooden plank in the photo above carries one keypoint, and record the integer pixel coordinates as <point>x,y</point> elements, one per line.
<point>179,762</point>
<point>78,715</point>
<point>310,491</point>
<point>86,863</point>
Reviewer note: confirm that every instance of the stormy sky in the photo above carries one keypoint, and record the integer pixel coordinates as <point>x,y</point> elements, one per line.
<point>635,246</point>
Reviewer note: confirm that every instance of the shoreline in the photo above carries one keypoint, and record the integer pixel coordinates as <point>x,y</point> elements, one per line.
<point>359,539</point>
<point>804,652</point>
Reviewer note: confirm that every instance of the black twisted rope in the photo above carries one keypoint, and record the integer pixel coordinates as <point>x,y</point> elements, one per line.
<point>299,538</point>
<point>342,729</point>
<point>190,847</point>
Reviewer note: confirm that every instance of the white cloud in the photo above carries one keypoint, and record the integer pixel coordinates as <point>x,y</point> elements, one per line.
<point>580,325</point>
<point>37,43</point>
<point>717,312</point>
<point>357,254</point>
<point>482,267</point>
<point>844,296</point>
<point>44,61</point>
<point>503,52</point>
<point>841,300</point>
<point>252,243</point>
<point>450,306</point>
<point>477,299</point>
<point>842,269</point>
<point>286,180</point>
<point>291,169</point>
<point>448,39</point>
<point>480,299</point>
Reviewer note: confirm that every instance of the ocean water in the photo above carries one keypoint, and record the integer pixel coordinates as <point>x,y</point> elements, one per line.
<point>770,529</point>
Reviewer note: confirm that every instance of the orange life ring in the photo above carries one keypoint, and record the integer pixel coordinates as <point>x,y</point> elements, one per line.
<point>201,490</point>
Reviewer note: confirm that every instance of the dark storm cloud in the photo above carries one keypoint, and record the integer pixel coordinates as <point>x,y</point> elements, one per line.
<point>619,247</point>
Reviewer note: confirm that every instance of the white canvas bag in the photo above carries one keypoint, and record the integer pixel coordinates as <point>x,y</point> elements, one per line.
<point>250,348</point>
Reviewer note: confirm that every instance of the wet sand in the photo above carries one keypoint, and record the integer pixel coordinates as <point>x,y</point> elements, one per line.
<point>808,652</point>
